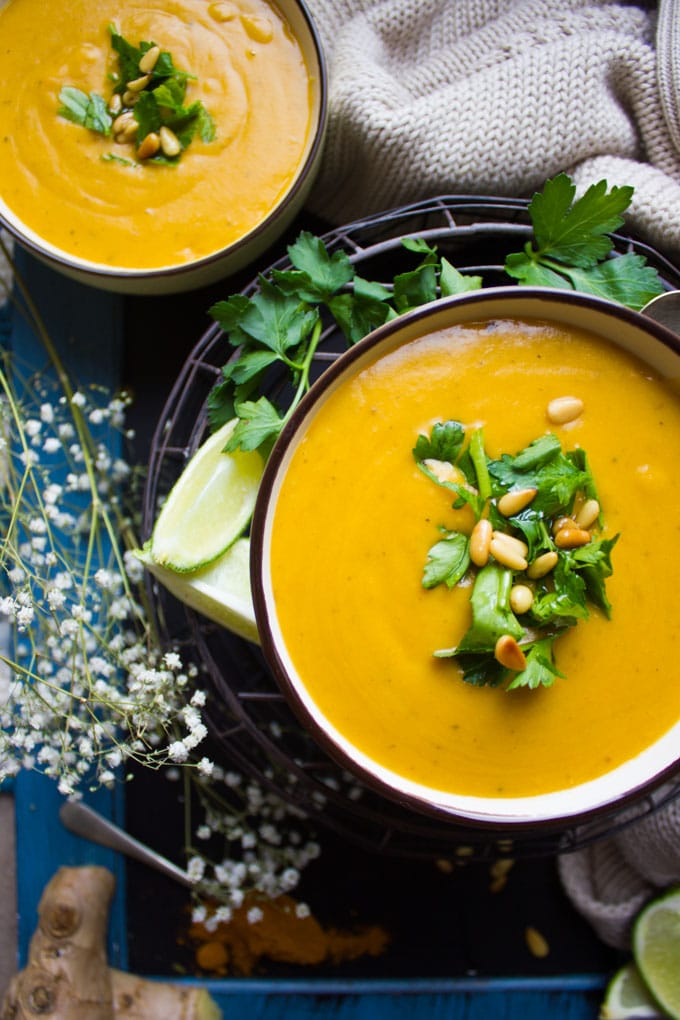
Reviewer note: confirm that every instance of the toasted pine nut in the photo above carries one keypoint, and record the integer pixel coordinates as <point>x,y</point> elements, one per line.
<point>513,543</point>
<point>588,514</point>
<point>148,61</point>
<point>122,123</point>
<point>115,104</point>
<point>507,553</point>
<point>521,598</point>
<point>149,146</point>
<point>138,84</point>
<point>480,542</point>
<point>509,654</point>
<point>562,522</point>
<point>572,538</point>
<point>130,98</point>
<point>542,565</point>
<point>171,146</point>
<point>537,944</point>
<point>564,409</point>
<point>512,502</point>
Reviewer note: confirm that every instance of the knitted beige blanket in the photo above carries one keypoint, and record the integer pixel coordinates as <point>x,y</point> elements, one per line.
<point>432,97</point>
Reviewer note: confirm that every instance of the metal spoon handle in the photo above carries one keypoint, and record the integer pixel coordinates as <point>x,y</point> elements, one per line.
<point>85,822</point>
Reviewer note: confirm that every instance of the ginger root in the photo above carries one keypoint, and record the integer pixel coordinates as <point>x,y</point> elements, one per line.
<point>67,976</point>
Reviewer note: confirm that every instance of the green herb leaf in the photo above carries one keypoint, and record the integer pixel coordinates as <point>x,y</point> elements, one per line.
<point>89,111</point>
<point>571,245</point>
<point>259,426</point>
<point>452,282</point>
<point>540,670</point>
<point>323,274</point>
<point>447,561</point>
<point>445,442</point>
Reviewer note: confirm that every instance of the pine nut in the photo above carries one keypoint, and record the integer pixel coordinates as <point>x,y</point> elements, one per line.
<point>517,544</point>
<point>564,409</point>
<point>171,146</point>
<point>149,146</point>
<point>148,61</point>
<point>542,565</point>
<point>509,654</point>
<point>116,104</point>
<point>480,542</point>
<point>506,553</point>
<point>588,514</point>
<point>138,84</point>
<point>130,98</point>
<point>562,522</point>
<point>512,502</point>
<point>122,123</point>
<point>572,538</point>
<point>521,598</point>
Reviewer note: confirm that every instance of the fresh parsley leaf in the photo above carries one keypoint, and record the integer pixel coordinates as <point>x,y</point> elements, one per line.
<point>112,157</point>
<point>362,311</point>
<point>147,114</point>
<point>540,670</point>
<point>452,282</point>
<point>259,425</point>
<point>571,245</point>
<point>324,274</point>
<point>445,442</point>
<point>416,287</point>
<point>447,561</point>
<point>89,111</point>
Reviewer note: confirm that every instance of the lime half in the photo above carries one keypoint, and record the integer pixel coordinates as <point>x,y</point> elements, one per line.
<point>656,948</point>
<point>209,506</point>
<point>220,591</point>
<point>627,996</point>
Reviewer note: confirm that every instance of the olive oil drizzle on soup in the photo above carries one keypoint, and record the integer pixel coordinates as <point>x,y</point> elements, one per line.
<point>355,517</point>
<point>250,75</point>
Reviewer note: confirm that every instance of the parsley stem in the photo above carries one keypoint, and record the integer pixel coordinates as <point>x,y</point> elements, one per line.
<point>478,457</point>
<point>303,382</point>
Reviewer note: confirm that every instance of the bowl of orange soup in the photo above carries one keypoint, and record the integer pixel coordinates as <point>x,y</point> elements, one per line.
<point>466,556</point>
<point>149,147</point>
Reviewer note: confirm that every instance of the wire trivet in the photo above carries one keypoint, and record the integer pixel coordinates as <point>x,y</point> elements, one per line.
<point>252,728</point>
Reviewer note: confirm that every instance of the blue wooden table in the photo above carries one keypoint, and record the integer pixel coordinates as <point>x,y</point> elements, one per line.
<point>87,326</point>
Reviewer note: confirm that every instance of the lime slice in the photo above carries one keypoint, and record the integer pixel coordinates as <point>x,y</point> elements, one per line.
<point>220,591</point>
<point>209,506</point>
<point>628,996</point>
<point>656,948</point>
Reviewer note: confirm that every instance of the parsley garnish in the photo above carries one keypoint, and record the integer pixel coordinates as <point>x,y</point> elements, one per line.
<point>281,324</point>
<point>561,597</point>
<point>157,112</point>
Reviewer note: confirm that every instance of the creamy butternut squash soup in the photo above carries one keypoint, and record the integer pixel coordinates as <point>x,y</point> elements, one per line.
<point>355,517</point>
<point>96,197</point>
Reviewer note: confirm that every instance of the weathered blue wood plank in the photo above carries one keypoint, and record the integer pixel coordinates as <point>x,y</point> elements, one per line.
<point>559,998</point>
<point>85,326</point>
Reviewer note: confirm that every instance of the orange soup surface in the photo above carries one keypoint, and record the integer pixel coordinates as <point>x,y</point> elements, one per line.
<point>85,193</point>
<point>354,521</point>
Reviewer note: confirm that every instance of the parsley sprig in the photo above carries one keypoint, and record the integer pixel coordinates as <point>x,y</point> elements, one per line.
<point>161,103</point>
<point>561,597</point>
<point>281,325</point>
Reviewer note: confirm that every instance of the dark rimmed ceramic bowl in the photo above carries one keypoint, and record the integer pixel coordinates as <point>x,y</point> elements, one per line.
<point>631,331</point>
<point>235,255</point>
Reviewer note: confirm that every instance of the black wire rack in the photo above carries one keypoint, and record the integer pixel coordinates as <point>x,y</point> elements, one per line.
<point>253,731</point>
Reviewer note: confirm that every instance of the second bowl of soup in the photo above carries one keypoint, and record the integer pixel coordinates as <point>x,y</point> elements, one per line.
<point>466,556</point>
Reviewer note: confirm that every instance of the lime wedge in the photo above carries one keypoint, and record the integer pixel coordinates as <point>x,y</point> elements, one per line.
<point>656,948</point>
<point>627,996</point>
<point>209,506</point>
<point>220,591</point>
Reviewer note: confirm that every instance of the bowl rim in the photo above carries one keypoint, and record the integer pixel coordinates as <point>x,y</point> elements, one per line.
<point>541,812</point>
<point>96,271</point>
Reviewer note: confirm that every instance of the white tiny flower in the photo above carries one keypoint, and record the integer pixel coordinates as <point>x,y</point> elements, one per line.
<point>177,752</point>
<point>254,915</point>
<point>199,914</point>
<point>78,399</point>
<point>302,910</point>
<point>196,869</point>
<point>172,660</point>
<point>51,444</point>
<point>205,767</point>
<point>223,914</point>
<point>204,832</point>
<point>47,413</point>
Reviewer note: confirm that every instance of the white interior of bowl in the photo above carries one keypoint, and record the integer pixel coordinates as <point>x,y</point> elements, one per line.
<point>240,252</point>
<point>617,325</point>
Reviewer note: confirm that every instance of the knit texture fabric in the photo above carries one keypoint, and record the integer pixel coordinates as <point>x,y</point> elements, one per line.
<point>432,97</point>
